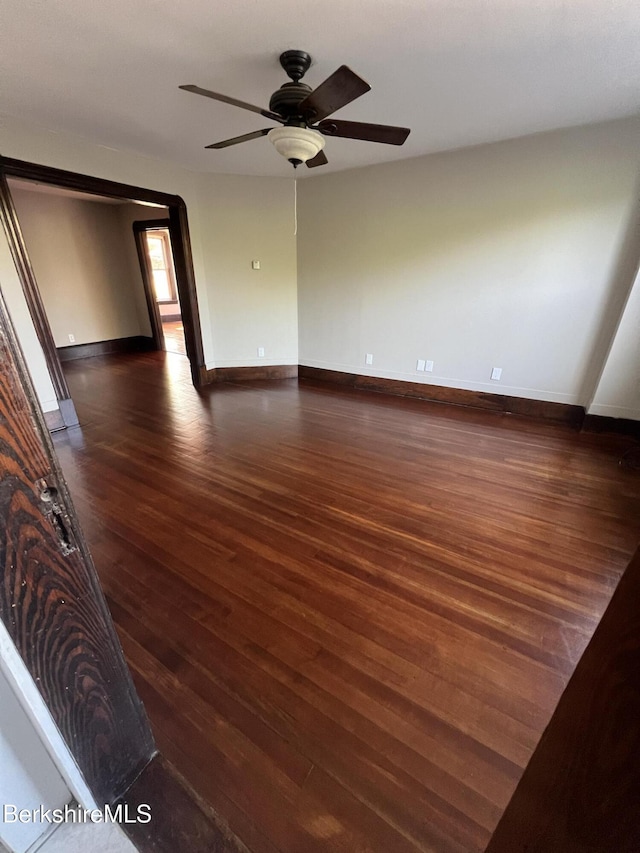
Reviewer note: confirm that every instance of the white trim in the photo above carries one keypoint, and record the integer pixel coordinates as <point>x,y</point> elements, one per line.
<point>34,705</point>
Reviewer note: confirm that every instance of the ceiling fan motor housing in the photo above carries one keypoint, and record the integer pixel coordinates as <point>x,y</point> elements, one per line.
<point>285,100</point>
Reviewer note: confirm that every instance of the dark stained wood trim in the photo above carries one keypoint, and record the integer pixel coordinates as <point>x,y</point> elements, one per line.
<point>51,601</point>
<point>135,343</point>
<point>180,241</point>
<point>542,409</point>
<point>580,789</point>
<point>143,259</point>
<point>146,224</point>
<point>30,288</point>
<point>186,283</point>
<point>619,426</point>
<point>84,183</point>
<point>249,374</point>
<point>180,820</point>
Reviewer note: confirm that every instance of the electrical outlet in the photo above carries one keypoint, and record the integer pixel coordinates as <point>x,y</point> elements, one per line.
<point>369,358</point>
<point>428,366</point>
<point>260,352</point>
<point>496,373</point>
<point>255,265</point>
<point>420,364</point>
<point>72,339</point>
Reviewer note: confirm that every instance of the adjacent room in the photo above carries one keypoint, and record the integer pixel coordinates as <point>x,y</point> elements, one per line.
<point>357,532</point>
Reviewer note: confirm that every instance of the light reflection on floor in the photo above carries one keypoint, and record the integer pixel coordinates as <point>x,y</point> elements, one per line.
<point>173,332</point>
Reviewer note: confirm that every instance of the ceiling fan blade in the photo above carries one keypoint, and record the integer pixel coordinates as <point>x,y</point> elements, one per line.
<point>338,90</point>
<point>225,99</point>
<point>361,130</point>
<point>236,140</point>
<point>319,160</point>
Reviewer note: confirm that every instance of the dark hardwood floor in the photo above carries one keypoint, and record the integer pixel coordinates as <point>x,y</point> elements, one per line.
<point>350,616</point>
<point>173,332</point>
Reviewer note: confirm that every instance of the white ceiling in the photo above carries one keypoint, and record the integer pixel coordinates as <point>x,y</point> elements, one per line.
<point>458,72</point>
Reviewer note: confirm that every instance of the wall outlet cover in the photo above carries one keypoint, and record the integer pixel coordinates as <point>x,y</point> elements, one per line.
<point>420,364</point>
<point>72,339</point>
<point>255,265</point>
<point>260,352</point>
<point>496,374</point>
<point>369,358</point>
<point>429,367</point>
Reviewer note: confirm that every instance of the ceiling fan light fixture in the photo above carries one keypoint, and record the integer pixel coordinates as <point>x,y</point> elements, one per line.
<point>296,144</point>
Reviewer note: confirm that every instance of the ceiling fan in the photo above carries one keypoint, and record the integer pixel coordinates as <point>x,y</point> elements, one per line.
<point>304,112</point>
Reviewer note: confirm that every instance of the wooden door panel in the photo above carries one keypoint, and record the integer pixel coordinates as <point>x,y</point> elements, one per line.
<point>51,601</point>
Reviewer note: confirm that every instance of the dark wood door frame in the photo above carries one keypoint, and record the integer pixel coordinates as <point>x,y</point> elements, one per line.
<point>18,249</point>
<point>180,242</point>
<point>139,229</point>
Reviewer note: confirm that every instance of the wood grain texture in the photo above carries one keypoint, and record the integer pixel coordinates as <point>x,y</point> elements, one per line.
<point>250,374</point>
<point>557,412</point>
<point>349,615</point>
<point>50,600</point>
<point>579,793</point>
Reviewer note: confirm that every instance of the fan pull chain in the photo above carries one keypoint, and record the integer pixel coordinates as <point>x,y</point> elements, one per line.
<point>295,207</point>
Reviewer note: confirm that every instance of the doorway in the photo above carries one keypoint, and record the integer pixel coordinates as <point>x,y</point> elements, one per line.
<point>155,253</point>
<point>181,256</point>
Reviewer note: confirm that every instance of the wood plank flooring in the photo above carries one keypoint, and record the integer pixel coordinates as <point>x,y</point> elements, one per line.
<point>350,616</point>
<point>173,332</point>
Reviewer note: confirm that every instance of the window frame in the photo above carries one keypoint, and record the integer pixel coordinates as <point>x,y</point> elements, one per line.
<point>163,234</point>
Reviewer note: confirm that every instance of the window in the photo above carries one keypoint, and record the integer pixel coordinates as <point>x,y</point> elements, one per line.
<point>164,282</point>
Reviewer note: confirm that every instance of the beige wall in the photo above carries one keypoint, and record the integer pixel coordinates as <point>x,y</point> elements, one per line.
<point>249,219</point>
<point>82,255</point>
<point>618,392</point>
<point>503,255</point>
